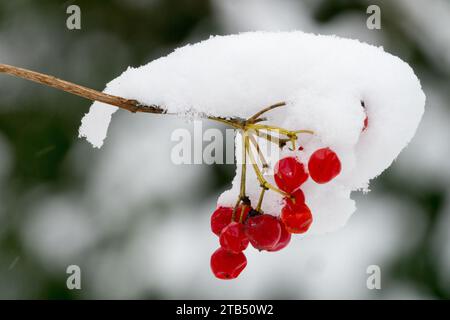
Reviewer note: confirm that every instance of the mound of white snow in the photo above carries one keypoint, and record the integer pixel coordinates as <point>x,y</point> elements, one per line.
<point>323,79</point>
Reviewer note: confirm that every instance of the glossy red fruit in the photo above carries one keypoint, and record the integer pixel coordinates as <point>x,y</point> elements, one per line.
<point>244,215</point>
<point>366,119</point>
<point>221,217</point>
<point>366,123</point>
<point>285,238</point>
<point>263,231</point>
<point>233,237</point>
<point>296,219</point>
<point>298,198</point>
<point>324,165</point>
<point>226,264</point>
<point>289,174</point>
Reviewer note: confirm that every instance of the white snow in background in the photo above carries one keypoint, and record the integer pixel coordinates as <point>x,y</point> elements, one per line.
<point>322,78</point>
<point>263,15</point>
<point>426,156</point>
<point>326,267</point>
<point>238,16</point>
<point>135,167</point>
<point>58,230</point>
<point>137,267</point>
<point>35,33</point>
<point>431,30</point>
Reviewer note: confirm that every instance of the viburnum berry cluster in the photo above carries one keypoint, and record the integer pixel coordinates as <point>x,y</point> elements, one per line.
<point>242,224</point>
<point>328,104</point>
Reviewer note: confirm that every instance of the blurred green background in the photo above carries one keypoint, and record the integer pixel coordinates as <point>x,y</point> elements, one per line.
<point>143,231</point>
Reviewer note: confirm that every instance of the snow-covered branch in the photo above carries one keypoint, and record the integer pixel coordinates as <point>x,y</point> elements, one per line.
<point>91,94</point>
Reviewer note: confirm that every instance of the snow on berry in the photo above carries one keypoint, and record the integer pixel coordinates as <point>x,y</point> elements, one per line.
<point>329,86</point>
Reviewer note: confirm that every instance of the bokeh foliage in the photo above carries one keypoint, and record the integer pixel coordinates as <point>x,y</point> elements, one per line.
<point>40,124</point>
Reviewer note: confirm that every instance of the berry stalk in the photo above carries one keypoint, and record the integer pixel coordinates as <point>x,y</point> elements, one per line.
<point>260,176</point>
<point>260,200</point>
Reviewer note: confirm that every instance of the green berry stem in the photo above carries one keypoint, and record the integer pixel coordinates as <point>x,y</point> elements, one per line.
<point>242,194</point>
<point>260,200</point>
<point>253,141</point>
<point>260,176</point>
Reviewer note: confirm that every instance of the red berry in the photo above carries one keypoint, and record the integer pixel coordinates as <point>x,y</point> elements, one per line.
<point>233,237</point>
<point>324,165</point>
<point>298,198</point>
<point>221,217</point>
<point>226,264</point>
<point>285,238</point>
<point>239,212</point>
<point>366,123</point>
<point>263,231</point>
<point>296,219</point>
<point>366,119</point>
<point>289,174</point>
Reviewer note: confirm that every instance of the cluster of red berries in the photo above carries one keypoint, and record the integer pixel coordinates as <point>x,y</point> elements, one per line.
<point>366,118</point>
<point>264,231</point>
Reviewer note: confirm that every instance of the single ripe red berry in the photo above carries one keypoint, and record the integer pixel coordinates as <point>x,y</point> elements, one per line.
<point>296,219</point>
<point>226,264</point>
<point>285,238</point>
<point>263,231</point>
<point>298,198</point>
<point>366,119</point>
<point>220,218</point>
<point>324,165</point>
<point>233,237</point>
<point>289,174</point>
<point>366,123</point>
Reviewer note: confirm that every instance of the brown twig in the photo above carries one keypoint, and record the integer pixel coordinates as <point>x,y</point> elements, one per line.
<point>91,94</point>
<point>94,95</point>
<point>255,143</point>
<point>281,142</point>
<point>134,106</point>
